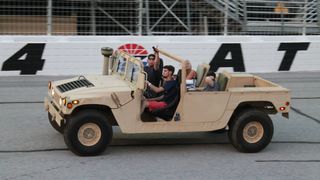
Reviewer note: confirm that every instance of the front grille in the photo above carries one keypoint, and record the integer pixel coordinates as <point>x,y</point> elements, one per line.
<point>56,98</point>
<point>74,85</point>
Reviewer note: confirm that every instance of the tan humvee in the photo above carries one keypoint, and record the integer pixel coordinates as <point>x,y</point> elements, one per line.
<point>85,108</point>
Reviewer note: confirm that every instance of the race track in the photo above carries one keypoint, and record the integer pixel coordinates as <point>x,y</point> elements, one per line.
<point>31,149</point>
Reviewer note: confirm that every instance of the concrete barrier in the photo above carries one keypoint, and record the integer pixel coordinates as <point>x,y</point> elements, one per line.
<point>73,55</point>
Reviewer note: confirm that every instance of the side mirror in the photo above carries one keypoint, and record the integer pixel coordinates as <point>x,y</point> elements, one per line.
<point>141,83</point>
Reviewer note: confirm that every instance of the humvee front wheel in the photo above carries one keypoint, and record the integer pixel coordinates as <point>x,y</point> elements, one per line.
<point>88,133</point>
<point>251,131</point>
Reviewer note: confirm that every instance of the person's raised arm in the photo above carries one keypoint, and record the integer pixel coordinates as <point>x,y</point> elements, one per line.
<point>157,58</point>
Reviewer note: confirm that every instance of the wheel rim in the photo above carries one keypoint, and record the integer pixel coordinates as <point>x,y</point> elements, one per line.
<point>253,132</point>
<point>89,134</point>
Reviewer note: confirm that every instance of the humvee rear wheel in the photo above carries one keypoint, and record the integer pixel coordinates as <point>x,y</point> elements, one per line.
<point>88,133</point>
<point>251,131</point>
<point>55,125</point>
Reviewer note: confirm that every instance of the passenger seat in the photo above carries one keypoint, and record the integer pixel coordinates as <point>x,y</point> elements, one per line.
<point>202,70</point>
<point>222,81</point>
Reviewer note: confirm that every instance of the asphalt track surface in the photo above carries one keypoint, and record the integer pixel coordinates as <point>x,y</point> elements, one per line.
<point>31,149</point>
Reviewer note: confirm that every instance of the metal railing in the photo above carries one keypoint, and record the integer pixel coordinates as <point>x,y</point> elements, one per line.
<point>159,17</point>
<point>282,17</point>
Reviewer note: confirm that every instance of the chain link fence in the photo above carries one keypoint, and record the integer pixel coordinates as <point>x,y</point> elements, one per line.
<point>159,17</point>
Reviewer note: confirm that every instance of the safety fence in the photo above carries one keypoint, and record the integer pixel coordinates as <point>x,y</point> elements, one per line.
<point>159,17</point>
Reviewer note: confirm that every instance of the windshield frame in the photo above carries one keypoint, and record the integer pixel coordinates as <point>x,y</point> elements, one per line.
<point>125,71</point>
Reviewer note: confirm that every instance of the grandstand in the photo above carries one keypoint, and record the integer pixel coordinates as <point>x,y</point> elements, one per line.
<point>159,17</point>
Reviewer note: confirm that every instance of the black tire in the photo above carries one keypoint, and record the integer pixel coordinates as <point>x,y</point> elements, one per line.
<point>250,131</point>
<point>91,123</point>
<point>55,125</point>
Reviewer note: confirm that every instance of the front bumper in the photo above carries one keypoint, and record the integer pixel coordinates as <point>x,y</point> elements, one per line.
<point>49,106</point>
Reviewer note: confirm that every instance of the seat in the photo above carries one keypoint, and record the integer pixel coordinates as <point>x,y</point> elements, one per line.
<point>202,70</point>
<point>167,112</point>
<point>222,81</point>
<point>178,76</point>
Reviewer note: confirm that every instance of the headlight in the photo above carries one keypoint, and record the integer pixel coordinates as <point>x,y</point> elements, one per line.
<point>49,85</point>
<point>60,101</point>
<point>52,92</point>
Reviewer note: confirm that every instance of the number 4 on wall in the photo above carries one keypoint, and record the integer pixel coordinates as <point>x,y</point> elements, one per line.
<point>30,64</point>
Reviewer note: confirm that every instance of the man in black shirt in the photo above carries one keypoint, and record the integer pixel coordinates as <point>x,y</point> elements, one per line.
<point>153,71</point>
<point>169,89</point>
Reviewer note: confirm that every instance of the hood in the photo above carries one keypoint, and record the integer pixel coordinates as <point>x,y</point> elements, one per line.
<point>92,84</point>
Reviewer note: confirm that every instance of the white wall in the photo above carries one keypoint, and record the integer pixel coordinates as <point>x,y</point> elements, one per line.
<point>65,55</point>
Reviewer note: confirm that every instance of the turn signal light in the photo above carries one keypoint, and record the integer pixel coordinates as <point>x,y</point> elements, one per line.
<point>75,102</point>
<point>287,103</point>
<point>69,105</point>
<point>282,108</point>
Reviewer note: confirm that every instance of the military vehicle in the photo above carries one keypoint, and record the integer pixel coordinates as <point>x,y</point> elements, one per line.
<point>85,108</point>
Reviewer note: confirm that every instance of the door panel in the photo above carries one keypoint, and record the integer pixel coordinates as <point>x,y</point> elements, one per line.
<point>204,106</point>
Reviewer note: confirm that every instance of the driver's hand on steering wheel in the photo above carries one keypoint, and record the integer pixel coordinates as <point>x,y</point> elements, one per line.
<point>148,83</point>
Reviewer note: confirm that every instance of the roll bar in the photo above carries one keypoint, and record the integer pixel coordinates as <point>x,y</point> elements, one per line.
<point>183,69</point>
<point>173,57</point>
